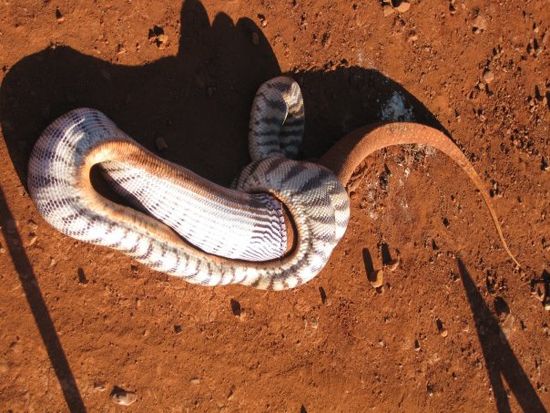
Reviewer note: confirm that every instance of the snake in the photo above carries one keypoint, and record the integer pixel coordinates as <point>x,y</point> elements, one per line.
<point>274,229</point>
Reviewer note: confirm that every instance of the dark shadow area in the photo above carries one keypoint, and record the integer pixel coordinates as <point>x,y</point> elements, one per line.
<point>369,265</point>
<point>235,307</point>
<point>499,357</point>
<point>323,295</point>
<point>39,310</point>
<point>197,101</point>
<point>386,254</point>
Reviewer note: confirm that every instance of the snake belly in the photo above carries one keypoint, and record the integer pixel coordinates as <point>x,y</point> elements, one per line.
<point>185,225</point>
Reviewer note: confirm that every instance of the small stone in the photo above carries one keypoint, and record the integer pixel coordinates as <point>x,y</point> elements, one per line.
<point>413,37</point>
<point>158,37</point>
<point>403,7</point>
<point>195,380</point>
<point>120,49</point>
<point>377,279</point>
<point>178,329</point>
<point>231,393</point>
<point>388,10</point>
<point>263,20</point>
<point>255,38</point>
<point>59,16</point>
<point>479,24</point>
<point>488,76</point>
<point>99,386</point>
<point>32,241</point>
<point>123,397</point>
<point>162,41</point>
<point>161,144</point>
<point>32,224</point>
<point>442,330</point>
<point>392,265</point>
<point>452,7</point>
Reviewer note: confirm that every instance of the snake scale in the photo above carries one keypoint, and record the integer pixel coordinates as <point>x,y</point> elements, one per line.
<point>276,229</point>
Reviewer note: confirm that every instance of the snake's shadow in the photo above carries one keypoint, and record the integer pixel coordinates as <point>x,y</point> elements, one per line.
<point>198,101</point>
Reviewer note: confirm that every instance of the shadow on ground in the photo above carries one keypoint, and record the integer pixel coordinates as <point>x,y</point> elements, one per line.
<point>198,101</point>
<point>39,309</point>
<point>500,360</point>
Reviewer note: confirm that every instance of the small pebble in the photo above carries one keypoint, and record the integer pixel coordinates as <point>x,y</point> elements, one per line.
<point>479,24</point>
<point>388,10</point>
<point>195,380</point>
<point>392,265</point>
<point>403,7</point>
<point>59,16</point>
<point>231,393</point>
<point>123,397</point>
<point>442,330</point>
<point>99,386</point>
<point>413,37</point>
<point>163,39</point>
<point>488,76</point>
<point>377,279</point>
<point>32,224</point>
<point>263,21</point>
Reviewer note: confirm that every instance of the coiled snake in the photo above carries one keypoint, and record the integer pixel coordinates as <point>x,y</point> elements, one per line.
<point>275,230</point>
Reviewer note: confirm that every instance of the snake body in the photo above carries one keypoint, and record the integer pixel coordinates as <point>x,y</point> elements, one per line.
<point>222,230</point>
<point>275,230</point>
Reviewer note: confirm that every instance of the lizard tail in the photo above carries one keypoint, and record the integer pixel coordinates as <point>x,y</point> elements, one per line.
<point>346,155</point>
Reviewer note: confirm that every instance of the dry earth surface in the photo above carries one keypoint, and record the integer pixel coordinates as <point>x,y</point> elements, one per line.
<point>453,326</point>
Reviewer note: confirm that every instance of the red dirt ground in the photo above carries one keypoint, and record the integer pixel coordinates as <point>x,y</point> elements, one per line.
<point>454,327</point>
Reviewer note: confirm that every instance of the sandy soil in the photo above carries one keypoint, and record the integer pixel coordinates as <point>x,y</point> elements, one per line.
<point>453,328</point>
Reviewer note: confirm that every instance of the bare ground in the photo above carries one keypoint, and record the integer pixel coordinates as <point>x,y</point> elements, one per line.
<point>453,328</point>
